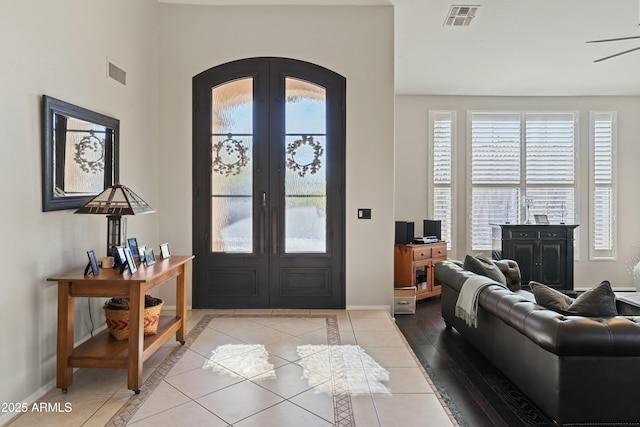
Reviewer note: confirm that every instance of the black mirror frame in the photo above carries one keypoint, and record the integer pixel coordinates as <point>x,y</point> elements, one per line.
<point>53,106</point>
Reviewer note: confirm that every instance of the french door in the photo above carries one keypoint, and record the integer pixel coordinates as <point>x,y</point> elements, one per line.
<point>268,197</point>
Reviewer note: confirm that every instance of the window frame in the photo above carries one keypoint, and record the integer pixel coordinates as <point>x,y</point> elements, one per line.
<point>594,253</point>
<point>431,185</point>
<point>522,185</point>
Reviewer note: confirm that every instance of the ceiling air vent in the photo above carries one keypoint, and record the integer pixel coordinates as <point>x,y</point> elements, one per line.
<point>460,16</point>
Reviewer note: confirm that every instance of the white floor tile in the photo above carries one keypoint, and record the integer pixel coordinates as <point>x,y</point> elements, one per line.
<point>284,414</point>
<point>239,401</point>
<point>267,368</point>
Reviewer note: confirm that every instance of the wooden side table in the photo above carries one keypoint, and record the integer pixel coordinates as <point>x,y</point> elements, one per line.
<point>413,266</point>
<point>104,351</point>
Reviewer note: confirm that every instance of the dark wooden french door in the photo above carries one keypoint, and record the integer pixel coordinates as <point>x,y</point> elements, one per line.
<point>268,175</point>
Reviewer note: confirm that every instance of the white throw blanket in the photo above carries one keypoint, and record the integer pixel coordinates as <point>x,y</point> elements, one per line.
<point>467,304</point>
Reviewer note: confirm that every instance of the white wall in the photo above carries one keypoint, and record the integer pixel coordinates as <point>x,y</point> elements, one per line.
<point>356,42</point>
<point>412,123</point>
<point>59,48</point>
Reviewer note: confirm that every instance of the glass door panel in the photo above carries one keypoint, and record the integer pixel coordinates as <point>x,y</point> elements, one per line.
<point>306,167</point>
<point>232,167</point>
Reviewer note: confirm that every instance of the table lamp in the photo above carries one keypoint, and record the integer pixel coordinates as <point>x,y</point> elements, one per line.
<point>116,201</point>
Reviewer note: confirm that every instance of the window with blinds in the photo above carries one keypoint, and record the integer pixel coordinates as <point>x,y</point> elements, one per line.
<point>521,164</point>
<point>602,185</point>
<point>441,158</point>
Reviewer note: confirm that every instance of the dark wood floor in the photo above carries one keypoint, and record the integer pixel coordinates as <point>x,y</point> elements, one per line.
<point>476,392</point>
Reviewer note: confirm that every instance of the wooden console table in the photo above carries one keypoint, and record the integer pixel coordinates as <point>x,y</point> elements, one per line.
<point>104,351</point>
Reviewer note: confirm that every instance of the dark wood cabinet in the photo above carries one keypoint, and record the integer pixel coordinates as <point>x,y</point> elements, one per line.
<point>544,253</point>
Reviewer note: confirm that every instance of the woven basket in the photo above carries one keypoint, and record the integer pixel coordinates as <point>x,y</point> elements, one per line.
<point>118,318</point>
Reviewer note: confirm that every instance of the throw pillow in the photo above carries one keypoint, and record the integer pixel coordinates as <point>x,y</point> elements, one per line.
<point>511,272</point>
<point>485,267</point>
<point>599,301</point>
<point>549,298</point>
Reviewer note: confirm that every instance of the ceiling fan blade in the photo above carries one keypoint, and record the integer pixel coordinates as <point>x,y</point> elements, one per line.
<point>617,54</point>
<point>614,40</point>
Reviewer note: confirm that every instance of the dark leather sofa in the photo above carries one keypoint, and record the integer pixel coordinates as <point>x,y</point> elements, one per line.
<point>577,370</point>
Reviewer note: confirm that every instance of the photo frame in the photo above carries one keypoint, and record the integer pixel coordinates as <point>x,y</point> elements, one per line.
<point>141,251</point>
<point>541,219</point>
<point>164,251</point>
<point>149,257</point>
<point>133,245</point>
<point>92,267</point>
<point>120,258</point>
<point>131,263</point>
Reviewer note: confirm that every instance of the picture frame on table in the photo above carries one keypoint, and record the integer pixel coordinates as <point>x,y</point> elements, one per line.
<point>149,257</point>
<point>164,251</point>
<point>541,219</point>
<point>131,262</point>
<point>141,251</point>
<point>133,245</point>
<point>92,267</point>
<point>120,258</point>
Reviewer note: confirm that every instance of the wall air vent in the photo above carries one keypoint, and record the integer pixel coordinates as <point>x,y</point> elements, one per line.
<point>116,73</point>
<point>460,16</point>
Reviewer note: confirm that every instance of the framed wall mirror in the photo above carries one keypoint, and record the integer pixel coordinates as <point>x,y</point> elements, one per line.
<point>80,154</point>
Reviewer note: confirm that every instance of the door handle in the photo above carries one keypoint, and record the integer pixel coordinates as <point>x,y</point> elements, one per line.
<point>262,231</point>
<point>274,231</point>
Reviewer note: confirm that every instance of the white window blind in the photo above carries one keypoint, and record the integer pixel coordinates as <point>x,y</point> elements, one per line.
<point>517,159</point>
<point>441,159</point>
<point>550,165</point>
<point>495,173</point>
<point>602,226</point>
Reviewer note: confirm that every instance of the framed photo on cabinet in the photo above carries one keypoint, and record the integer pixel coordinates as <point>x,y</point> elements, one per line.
<point>141,251</point>
<point>120,258</point>
<point>131,262</point>
<point>541,219</point>
<point>164,251</point>
<point>92,267</point>
<point>133,245</point>
<point>149,257</point>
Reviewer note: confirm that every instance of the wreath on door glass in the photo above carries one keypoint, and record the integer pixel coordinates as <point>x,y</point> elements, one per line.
<point>314,165</point>
<point>233,149</point>
<point>90,154</point>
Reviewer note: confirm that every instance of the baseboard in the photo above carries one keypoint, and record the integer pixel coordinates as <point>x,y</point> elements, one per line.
<point>349,307</point>
<point>173,307</point>
<point>369,307</point>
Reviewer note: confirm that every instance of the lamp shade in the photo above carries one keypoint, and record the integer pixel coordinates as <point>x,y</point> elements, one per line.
<point>116,200</point>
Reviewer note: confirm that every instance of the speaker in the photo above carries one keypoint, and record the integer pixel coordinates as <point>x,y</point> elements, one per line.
<point>432,227</point>
<point>404,232</point>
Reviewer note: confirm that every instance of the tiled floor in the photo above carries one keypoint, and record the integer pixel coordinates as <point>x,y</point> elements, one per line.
<point>264,368</point>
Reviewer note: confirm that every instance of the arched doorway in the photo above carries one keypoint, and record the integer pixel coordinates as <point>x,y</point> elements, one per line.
<point>269,173</point>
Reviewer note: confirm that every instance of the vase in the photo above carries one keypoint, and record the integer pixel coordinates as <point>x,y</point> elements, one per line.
<point>636,276</point>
